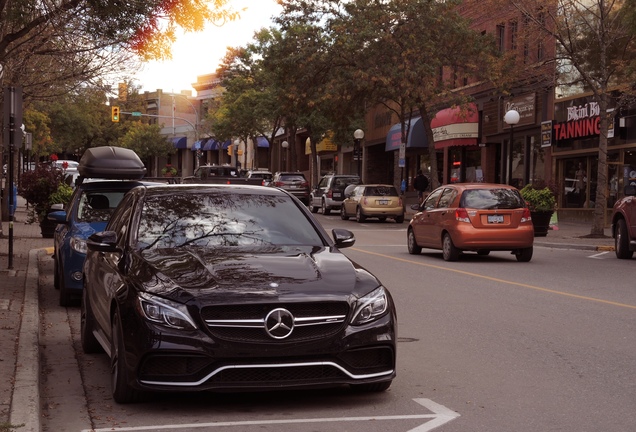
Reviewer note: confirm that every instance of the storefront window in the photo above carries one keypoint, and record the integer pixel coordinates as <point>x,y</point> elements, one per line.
<point>465,164</point>
<point>574,182</point>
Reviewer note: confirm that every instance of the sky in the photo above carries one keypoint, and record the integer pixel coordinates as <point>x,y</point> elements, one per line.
<point>200,53</point>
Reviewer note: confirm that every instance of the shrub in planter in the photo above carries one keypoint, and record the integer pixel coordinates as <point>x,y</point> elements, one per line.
<point>539,199</point>
<point>41,188</point>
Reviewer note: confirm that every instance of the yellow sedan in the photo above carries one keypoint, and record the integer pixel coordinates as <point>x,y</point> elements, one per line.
<point>373,201</point>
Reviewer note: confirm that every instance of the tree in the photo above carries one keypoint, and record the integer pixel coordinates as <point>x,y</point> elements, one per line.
<point>146,140</point>
<point>597,50</point>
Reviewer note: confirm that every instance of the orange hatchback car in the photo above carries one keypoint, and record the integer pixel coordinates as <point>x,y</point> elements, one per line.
<point>477,217</point>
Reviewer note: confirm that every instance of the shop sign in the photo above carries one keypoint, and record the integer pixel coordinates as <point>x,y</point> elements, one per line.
<point>546,133</point>
<point>582,121</point>
<point>525,105</point>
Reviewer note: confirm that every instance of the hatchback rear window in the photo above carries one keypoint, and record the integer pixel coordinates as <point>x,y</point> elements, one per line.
<point>380,191</point>
<point>294,177</point>
<point>483,199</point>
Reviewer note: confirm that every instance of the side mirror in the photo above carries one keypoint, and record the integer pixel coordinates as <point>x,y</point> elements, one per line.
<point>57,216</point>
<point>104,241</point>
<point>343,238</point>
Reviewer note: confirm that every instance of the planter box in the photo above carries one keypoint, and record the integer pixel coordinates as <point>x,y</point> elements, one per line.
<point>541,222</point>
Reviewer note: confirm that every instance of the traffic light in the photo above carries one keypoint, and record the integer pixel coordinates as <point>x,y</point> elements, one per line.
<point>115,114</point>
<point>230,149</point>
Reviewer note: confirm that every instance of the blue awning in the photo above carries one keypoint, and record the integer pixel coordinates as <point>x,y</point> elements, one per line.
<point>196,146</point>
<point>210,144</point>
<point>262,142</point>
<point>416,138</point>
<point>226,144</point>
<point>179,142</point>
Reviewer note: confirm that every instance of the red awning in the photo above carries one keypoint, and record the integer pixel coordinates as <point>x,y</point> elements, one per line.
<point>456,126</point>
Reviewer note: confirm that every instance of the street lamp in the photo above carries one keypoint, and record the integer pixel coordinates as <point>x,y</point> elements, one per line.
<point>511,118</point>
<point>358,135</point>
<point>284,145</point>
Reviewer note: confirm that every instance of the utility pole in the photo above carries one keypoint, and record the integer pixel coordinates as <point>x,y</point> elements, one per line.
<point>12,133</point>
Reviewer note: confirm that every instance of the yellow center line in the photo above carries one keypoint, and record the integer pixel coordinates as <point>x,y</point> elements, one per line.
<point>519,284</point>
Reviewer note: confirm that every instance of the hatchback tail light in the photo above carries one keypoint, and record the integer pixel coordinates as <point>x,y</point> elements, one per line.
<point>525,216</point>
<point>329,193</point>
<point>304,184</point>
<point>400,202</point>
<point>462,215</point>
<point>278,183</point>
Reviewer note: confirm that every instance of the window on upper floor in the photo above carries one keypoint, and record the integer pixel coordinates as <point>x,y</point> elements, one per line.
<point>501,34</point>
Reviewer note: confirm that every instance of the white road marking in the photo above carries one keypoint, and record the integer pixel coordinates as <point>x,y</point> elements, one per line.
<point>599,255</point>
<point>440,416</point>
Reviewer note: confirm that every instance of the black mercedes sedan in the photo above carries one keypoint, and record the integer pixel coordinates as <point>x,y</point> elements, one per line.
<point>231,287</point>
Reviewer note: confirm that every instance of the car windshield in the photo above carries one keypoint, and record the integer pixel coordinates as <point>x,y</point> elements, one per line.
<point>483,199</point>
<point>223,220</point>
<point>97,206</point>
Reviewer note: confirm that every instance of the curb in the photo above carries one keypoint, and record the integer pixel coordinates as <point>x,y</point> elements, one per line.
<point>25,400</point>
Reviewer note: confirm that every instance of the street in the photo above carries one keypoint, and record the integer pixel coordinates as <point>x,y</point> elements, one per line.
<point>485,344</point>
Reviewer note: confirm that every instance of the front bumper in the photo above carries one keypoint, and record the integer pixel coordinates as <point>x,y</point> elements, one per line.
<point>163,360</point>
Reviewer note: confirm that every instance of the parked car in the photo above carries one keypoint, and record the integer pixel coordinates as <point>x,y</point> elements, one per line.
<point>68,165</point>
<point>294,183</point>
<point>89,210</point>
<point>477,217</point>
<point>329,193</point>
<point>373,201</point>
<point>624,224</point>
<point>231,287</point>
<point>265,176</point>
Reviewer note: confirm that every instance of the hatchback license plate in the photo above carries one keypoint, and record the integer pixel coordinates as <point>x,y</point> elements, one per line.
<point>383,202</point>
<point>495,219</point>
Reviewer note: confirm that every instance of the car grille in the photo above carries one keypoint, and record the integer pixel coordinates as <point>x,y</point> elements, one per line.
<point>182,370</point>
<point>246,323</point>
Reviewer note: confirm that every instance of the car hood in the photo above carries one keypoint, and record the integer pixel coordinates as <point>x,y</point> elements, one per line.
<point>228,276</point>
<point>86,229</point>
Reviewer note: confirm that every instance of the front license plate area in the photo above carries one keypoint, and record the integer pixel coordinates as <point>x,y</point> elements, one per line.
<point>495,219</point>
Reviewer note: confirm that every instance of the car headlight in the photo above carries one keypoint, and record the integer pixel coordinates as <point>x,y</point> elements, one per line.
<point>79,245</point>
<point>165,312</point>
<point>371,307</point>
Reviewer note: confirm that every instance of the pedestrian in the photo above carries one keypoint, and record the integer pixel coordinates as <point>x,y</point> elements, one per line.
<point>420,184</point>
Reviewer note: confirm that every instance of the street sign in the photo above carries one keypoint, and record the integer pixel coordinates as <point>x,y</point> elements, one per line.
<point>136,114</point>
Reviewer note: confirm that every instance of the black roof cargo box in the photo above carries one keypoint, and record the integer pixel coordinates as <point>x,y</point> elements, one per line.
<point>110,162</point>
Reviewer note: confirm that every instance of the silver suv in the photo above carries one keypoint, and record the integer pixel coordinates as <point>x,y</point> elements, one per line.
<point>330,192</point>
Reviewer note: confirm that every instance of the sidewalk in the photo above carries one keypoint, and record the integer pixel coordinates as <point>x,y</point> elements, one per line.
<point>19,318</point>
<point>19,323</point>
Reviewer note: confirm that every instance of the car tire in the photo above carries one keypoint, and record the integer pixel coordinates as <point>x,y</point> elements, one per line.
<point>399,219</point>
<point>372,387</point>
<point>411,243</point>
<point>524,255</point>
<point>621,241</point>
<point>325,210</point>
<point>121,390</point>
<point>343,213</point>
<point>449,251</point>
<point>90,345</point>
<point>312,207</point>
<point>359,216</point>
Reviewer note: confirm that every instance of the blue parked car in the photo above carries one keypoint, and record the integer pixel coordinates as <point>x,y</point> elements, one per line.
<point>93,201</point>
